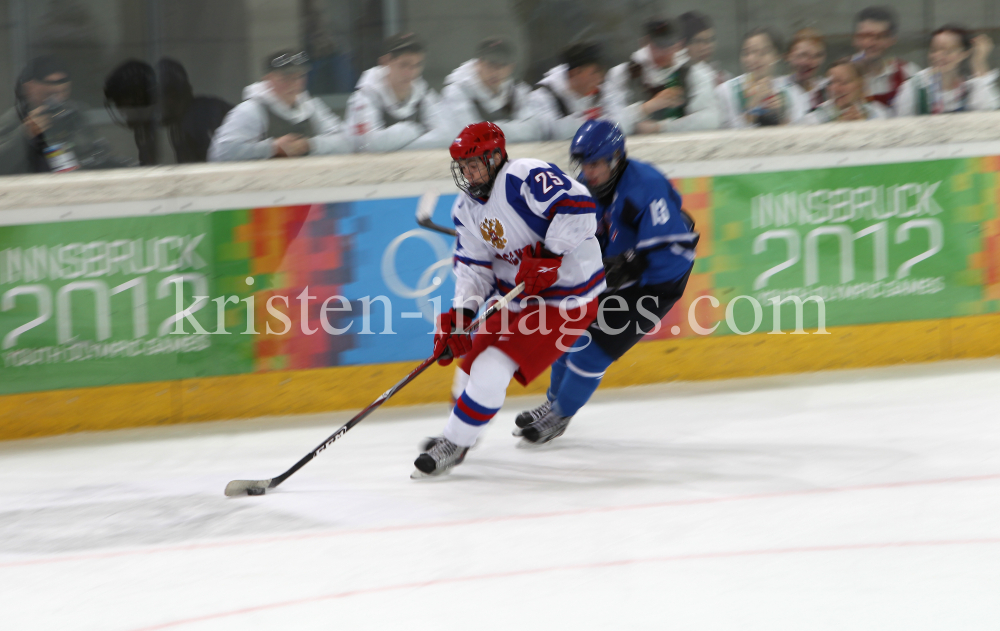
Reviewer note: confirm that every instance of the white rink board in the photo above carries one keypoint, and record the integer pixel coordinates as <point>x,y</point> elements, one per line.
<point>860,500</point>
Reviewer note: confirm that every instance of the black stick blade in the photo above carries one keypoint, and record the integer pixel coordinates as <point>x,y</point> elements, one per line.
<point>246,487</point>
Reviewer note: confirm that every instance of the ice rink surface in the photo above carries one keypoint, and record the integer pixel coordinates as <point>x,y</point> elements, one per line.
<point>855,500</point>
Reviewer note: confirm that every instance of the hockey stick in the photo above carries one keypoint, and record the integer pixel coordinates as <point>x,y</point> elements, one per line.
<point>425,210</point>
<point>257,487</point>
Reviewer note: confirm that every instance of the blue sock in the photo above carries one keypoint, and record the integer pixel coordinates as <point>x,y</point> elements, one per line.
<point>556,379</point>
<point>582,375</point>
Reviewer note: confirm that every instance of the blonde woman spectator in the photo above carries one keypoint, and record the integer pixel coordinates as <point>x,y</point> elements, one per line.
<point>699,36</point>
<point>875,31</point>
<point>665,91</point>
<point>758,98</point>
<point>847,97</point>
<point>943,88</point>
<point>806,56</point>
<point>483,89</point>
<point>392,106</point>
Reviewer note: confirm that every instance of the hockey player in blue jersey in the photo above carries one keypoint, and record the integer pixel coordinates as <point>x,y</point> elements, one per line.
<point>648,245</point>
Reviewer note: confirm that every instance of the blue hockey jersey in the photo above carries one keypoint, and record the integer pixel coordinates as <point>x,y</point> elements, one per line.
<point>645,215</point>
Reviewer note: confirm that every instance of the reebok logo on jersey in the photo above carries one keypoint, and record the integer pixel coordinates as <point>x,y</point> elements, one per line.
<point>492,231</point>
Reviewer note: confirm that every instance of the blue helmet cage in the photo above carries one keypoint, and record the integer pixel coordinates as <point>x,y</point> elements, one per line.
<point>598,140</point>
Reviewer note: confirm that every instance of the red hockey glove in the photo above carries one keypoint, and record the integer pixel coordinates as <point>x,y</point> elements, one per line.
<point>446,338</point>
<point>539,269</point>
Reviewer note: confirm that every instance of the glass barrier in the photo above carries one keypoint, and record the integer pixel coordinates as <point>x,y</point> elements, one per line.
<point>103,84</point>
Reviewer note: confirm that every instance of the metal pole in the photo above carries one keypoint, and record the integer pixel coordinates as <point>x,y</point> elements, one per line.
<point>18,15</point>
<point>390,18</point>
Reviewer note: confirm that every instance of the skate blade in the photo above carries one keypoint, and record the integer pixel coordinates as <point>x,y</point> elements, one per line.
<point>524,443</point>
<point>420,475</point>
<point>518,431</point>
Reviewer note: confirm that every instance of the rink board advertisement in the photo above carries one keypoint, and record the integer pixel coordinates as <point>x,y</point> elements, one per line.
<point>96,302</point>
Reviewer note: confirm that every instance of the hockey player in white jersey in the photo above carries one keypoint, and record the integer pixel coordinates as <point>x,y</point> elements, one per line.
<point>517,221</point>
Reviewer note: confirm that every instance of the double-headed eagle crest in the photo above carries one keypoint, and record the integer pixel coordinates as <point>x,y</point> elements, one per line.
<point>492,231</point>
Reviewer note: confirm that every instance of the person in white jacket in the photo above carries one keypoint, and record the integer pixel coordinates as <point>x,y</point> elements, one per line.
<point>699,35</point>
<point>667,92</point>
<point>278,118</point>
<point>392,107</point>
<point>483,89</point>
<point>759,98</point>
<point>942,88</point>
<point>574,92</point>
<point>847,102</point>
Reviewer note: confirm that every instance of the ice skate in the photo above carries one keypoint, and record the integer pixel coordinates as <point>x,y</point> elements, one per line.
<point>545,429</point>
<point>528,417</point>
<point>440,455</point>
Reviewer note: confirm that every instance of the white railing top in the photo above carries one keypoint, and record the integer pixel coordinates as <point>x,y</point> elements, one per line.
<point>200,180</point>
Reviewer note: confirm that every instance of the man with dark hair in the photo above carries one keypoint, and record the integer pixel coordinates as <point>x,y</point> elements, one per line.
<point>190,120</point>
<point>46,131</point>
<point>575,92</point>
<point>699,36</point>
<point>667,93</point>
<point>483,89</point>
<point>875,30</point>
<point>392,106</point>
<point>278,118</point>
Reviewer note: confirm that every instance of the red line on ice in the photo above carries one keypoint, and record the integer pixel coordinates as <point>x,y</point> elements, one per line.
<point>566,568</point>
<point>483,520</point>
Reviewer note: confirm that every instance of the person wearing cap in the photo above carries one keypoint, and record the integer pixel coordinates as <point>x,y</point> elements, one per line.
<point>482,89</point>
<point>392,107</point>
<point>278,118</point>
<point>574,92</point>
<point>667,93</point>
<point>46,131</point>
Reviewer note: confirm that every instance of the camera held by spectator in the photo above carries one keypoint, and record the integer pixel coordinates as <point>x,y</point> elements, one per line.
<point>46,131</point>
<point>758,98</point>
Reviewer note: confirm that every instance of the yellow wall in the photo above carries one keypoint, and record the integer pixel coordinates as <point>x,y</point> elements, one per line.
<point>353,387</point>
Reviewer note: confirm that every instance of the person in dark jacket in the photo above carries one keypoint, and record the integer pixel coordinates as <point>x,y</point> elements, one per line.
<point>139,97</point>
<point>46,131</point>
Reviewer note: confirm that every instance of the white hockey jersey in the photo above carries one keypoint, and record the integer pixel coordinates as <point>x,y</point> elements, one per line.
<point>531,201</point>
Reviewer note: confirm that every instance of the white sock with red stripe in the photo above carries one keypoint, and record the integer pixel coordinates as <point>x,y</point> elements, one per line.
<point>483,397</point>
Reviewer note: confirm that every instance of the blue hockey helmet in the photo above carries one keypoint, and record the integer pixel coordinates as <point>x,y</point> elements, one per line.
<point>598,140</point>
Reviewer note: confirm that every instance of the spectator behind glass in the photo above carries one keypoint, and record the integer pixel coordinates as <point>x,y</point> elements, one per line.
<point>665,91</point>
<point>758,98</point>
<point>698,34</point>
<point>482,89</point>
<point>278,118</point>
<point>944,88</point>
<point>572,93</point>
<point>190,120</point>
<point>875,31</point>
<point>46,131</point>
<point>392,106</point>
<point>847,100</point>
<point>806,56</point>
<point>130,99</point>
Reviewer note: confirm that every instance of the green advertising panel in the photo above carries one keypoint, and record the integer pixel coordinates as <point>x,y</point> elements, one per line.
<point>89,303</point>
<point>877,243</point>
<point>98,302</point>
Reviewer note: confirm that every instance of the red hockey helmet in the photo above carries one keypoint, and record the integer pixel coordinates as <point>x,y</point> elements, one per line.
<point>478,141</point>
